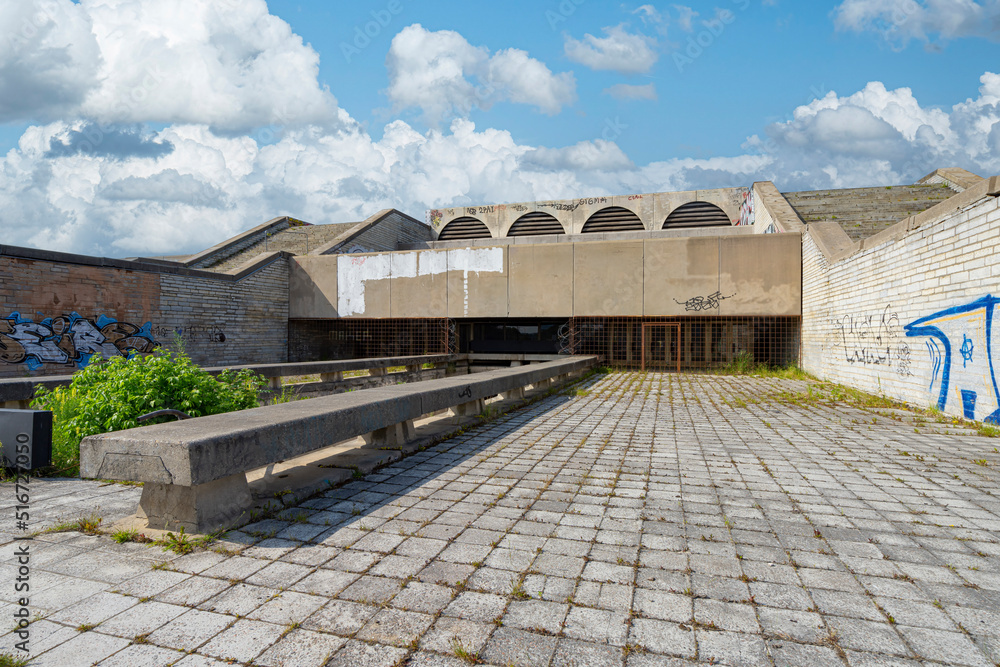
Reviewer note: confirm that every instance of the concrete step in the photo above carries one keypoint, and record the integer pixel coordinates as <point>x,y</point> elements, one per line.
<point>863,212</point>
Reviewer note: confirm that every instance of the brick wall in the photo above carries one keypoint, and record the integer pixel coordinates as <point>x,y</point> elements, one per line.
<point>57,310</point>
<point>387,234</point>
<point>910,317</point>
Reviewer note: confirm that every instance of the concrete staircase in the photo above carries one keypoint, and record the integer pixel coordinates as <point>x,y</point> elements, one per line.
<point>863,212</point>
<point>298,240</point>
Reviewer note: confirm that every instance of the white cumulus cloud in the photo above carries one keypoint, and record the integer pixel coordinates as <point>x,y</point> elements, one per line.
<point>444,76</point>
<point>899,21</point>
<point>233,66</point>
<point>620,50</point>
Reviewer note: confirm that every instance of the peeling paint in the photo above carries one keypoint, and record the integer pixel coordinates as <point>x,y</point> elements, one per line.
<point>354,272</point>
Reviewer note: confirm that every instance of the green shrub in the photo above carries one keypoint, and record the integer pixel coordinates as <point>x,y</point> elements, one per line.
<point>110,395</point>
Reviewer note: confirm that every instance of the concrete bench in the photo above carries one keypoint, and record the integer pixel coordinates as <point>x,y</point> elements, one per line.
<point>194,471</point>
<point>16,393</point>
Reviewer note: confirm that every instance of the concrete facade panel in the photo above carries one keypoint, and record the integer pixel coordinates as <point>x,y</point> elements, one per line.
<point>541,280</point>
<point>312,287</point>
<point>419,284</point>
<point>760,275</point>
<point>678,274</point>
<point>608,279</point>
<point>477,282</point>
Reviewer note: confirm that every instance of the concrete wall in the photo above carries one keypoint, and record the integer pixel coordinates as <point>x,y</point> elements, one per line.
<point>725,275</point>
<point>57,311</point>
<point>652,209</point>
<point>910,312</point>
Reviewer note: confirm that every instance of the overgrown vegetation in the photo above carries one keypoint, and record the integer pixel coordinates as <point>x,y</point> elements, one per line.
<point>110,395</point>
<point>744,364</point>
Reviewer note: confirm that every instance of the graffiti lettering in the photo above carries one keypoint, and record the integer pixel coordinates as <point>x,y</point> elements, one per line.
<point>465,392</point>
<point>634,197</point>
<point>971,331</point>
<point>709,302</point>
<point>519,207</point>
<point>873,340</point>
<point>559,206</point>
<point>70,339</point>
<point>196,333</point>
<point>435,217</point>
<point>592,201</point>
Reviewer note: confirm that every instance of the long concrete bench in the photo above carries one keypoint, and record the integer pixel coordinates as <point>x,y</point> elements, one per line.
<point>194,471</point>
<point>16,393</point>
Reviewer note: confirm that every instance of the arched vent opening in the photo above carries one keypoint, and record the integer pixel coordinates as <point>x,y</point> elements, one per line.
<point>536,223</point>
<point>697,214</point>
<point>464,228</point>
<point>613,219</point>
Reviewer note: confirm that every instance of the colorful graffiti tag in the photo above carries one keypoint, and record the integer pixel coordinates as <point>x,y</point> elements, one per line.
<point>962,334</point>
<point>746,209</point>
<point>70,339</point>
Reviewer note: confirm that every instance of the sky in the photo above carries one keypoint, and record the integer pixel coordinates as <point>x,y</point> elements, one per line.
<point>144,128</point>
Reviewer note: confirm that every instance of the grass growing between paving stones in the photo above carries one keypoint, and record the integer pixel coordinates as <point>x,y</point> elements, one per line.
<point>8,660</point>
<point>744,364</point>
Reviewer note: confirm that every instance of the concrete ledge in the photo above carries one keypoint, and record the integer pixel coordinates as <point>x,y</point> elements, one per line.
<point>784,216</point>
<point>185,462</point>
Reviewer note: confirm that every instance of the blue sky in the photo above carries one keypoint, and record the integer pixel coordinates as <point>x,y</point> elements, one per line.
<point>135,127</point>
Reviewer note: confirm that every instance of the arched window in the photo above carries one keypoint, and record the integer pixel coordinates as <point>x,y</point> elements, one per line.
<point>536,223</point>
<point>613,219</point>
<point>697,214</point>
<point>463,228</point>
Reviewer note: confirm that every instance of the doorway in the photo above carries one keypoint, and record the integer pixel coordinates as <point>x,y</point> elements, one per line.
<point>661,346</point>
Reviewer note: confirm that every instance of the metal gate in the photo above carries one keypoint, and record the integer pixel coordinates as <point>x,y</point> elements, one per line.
<point>661,346</point>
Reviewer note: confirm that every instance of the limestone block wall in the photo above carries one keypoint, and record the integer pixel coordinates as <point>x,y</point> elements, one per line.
<point>58,311</point>
<point>910,313</point>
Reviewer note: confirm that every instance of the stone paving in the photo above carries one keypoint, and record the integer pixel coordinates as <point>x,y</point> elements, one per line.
<point>643,520</point>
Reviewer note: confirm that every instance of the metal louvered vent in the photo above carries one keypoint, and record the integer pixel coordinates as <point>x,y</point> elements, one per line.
<point>613,219</point>
<point>536,223</point>
<point>463,228</point>
<point>697,214</point>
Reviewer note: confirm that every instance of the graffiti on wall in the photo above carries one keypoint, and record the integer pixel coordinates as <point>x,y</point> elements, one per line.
<point>746,209</point>
<point>960,344</point>
<point>697,303</point>
<point>70,339</point>
<point>874,339</point>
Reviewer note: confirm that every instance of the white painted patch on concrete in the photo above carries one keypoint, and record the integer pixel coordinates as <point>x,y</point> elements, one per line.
<point>353,271</point>
<point>403,265</point>
<point>433,263</point>
<point>476,259</point>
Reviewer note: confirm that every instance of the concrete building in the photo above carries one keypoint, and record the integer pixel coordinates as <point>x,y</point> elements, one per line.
<point>885,288</point>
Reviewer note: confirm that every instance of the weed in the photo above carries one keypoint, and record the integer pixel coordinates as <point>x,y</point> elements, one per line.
<point>463,653</point>
<point>179,543</point>
<point>980,462</point>
<point>8,660</point>
<point>124,535</point>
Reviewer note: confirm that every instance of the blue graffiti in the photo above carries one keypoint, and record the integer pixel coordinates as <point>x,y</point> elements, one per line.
<point>973,385</point>
<point>967,348</point>
<point>70,339</point>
